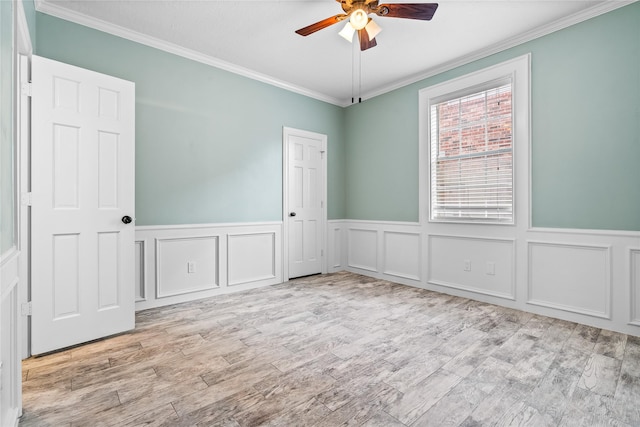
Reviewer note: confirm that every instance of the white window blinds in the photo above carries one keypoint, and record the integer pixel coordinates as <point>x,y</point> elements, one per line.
<point>472,156</point>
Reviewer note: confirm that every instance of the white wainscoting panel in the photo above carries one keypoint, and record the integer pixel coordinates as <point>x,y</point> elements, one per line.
<point>592,277</point>
<point>402,254</point>
<point>224,257</point>
<point>569,277</point>
<point>186,264</point>
<point>634,267</point>
<point>334,246</point>
<point>141,270</point>
<point>363,249</point>
<point>489,264</point>
<point>251,258</point>
<point>10,335</point>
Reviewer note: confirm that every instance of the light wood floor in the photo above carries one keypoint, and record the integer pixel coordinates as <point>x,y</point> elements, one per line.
<point>340,349</point>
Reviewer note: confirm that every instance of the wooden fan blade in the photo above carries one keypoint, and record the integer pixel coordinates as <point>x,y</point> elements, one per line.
<point>321,24</point>
<point>365,43</point>
<point>423,11</point>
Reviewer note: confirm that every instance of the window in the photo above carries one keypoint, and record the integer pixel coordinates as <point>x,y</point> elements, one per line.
<point>469,129</point>
<point>472,156</point>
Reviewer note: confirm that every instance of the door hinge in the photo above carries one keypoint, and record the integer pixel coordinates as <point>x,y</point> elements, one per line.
<point>25,199</point>
<point>321,252</point>
<point>322,203</point>
<point>26,308</point>
<point>26,89</point>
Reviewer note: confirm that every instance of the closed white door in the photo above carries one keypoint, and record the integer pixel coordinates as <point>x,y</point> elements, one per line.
<point>304,204</point>
<point>82,236</point>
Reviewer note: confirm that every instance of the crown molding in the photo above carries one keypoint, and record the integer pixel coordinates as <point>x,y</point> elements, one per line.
<point>592,12</point>
<point>97,24</point>
<point>48,8</point>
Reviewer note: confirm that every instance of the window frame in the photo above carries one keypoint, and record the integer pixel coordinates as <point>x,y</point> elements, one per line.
<point>517,71</point>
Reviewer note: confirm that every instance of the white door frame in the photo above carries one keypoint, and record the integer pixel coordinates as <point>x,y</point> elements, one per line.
<point>23,171</point>
<point>285,199</point>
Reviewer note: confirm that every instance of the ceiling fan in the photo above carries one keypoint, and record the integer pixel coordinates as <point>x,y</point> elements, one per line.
<point>358,13</point>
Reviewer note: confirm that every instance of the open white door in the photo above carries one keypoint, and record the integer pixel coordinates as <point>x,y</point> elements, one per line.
<point>304,202</point>
<point>82,237</point>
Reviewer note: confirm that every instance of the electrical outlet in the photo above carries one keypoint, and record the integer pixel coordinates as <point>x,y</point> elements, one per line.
<point>467,265</point>
<point>191,267</point>
<point>491,268</point>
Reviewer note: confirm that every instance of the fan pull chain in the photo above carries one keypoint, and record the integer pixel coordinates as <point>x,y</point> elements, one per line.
<point>353,75</point>
<point>359,76</point>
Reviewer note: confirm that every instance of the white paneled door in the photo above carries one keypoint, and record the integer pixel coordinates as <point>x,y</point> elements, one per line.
<point>304,204</point>
<point>82,234</point>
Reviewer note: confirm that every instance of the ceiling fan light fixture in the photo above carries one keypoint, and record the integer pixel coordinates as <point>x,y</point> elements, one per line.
<point>347,32</point>
<point>359,19</point>
<point>372,29</point>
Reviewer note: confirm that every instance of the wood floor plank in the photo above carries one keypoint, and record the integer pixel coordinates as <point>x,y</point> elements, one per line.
<point>631,362</point>
<point>600,375</point>
<point>412,404</point>
<point>157,417</point>
<point>611,344</point>
<point>490,373</point>
<point>627,396</point>
<point>339,349</point>
<point>454,407</point>
<point>497,406</point>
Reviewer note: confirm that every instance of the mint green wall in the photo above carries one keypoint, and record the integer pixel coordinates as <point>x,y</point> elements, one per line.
<point>585,131</point>
<point>208,142</point>
<point>382,157</point>
<point>7,189</point>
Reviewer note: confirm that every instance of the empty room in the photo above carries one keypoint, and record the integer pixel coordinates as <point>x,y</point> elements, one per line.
<point>319,213</point>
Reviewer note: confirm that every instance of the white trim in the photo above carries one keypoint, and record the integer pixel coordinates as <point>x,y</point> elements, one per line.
<point>191,234</point>
<point>274,249</point>
<point>208,287</point>
<point>634,288</point>
<point>23,37</point>
<point>375,268</point>
<point>469,237</point>
<point>586,232</point>
<point>82,19</point>
<point>22,55</point>
<point>23,172</point>
<point>142,243</point>
<point>377,223</point>
<point>13,415</point>
<point>614,269</point>
<point>116,30</point>
<point>209,225</point>
<point>607,249</point>
<point>9,254</point>
<point>517,40</point>
<point>286,131</point>
<point>385,270</point>
<point>518,70</point>
<point>472,289</point>
<point>510,241</point>
<point>9,271</point>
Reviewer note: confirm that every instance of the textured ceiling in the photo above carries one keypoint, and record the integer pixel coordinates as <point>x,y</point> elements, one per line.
<point>257,38</point>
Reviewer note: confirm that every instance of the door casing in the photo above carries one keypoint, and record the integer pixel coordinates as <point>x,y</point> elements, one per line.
<point>286,131</point>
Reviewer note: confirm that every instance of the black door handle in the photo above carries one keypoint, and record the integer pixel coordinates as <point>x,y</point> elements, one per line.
<point>126,219</point>
<point>292,214</point>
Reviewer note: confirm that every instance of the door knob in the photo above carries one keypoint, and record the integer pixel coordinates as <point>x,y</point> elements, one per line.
<point>126,219</point>
<point>292,214</point>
